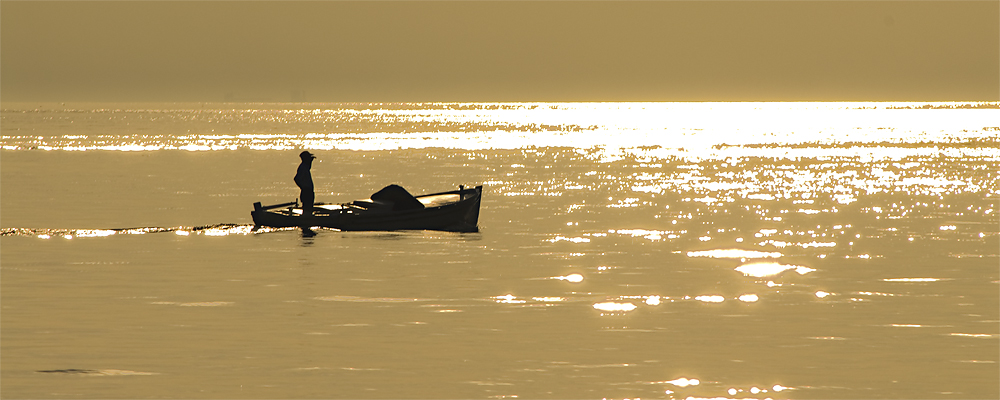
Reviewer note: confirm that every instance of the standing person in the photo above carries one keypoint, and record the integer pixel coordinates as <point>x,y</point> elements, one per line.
<point>303,178</point>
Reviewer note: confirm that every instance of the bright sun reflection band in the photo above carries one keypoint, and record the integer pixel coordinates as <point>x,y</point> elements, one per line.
<point>699,130</point>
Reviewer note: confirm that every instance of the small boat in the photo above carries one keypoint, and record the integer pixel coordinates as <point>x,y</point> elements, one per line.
<point>454,211</point>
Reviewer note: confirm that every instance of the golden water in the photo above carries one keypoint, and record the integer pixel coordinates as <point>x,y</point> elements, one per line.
<point>626,251</point>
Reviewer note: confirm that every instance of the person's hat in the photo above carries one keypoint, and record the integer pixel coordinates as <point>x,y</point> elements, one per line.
<point>306,154</point>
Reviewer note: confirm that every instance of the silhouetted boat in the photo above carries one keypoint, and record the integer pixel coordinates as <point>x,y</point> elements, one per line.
<point>455,211</point>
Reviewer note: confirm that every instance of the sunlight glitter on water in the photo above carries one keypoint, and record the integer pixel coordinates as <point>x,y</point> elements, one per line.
<point>575,278</point>
<point>614,307</point>
<point>684,382</point>
<point>633,238</point>
<point>693,130</point>
<point>710,298</point>
<point>761,270</point>
<point>734,253</point>
<point>748,298</point>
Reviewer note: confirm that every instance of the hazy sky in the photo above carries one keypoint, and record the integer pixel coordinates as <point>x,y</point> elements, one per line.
<point>500,51</point>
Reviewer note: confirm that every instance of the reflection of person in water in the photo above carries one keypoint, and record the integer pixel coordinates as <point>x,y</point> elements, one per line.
<point>303,178</point>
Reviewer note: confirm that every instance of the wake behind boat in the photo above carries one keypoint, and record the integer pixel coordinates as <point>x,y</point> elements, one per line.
<point>454,211</point>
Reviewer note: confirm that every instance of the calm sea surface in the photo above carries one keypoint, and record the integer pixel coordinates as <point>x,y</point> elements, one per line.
<point>662,250</point>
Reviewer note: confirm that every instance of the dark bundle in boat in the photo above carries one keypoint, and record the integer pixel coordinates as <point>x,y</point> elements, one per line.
<point>390,209</point>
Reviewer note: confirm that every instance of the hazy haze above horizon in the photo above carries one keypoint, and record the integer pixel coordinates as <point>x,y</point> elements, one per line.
<point>500,51</point>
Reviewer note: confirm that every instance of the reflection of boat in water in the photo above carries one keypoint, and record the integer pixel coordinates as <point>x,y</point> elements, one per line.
<point>456,211</point>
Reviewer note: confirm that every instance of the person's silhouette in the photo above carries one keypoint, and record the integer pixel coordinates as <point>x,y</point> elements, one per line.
<point>303,178</point>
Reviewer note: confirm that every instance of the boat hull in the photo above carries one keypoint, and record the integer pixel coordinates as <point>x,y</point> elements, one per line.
<point>458,216</point>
